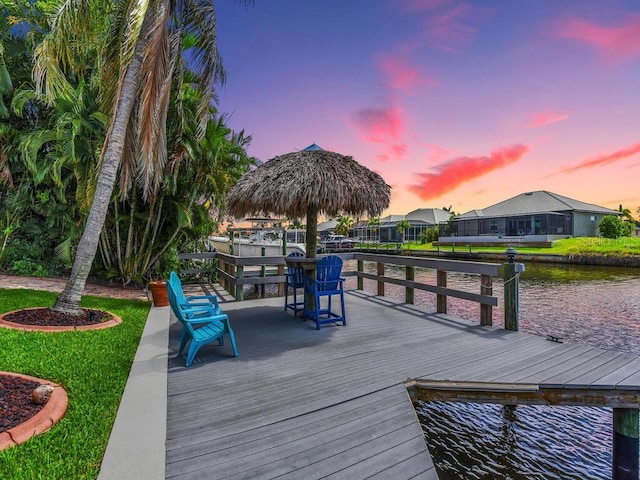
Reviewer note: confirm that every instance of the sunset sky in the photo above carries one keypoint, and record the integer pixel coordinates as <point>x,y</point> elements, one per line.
<point>461,103</point>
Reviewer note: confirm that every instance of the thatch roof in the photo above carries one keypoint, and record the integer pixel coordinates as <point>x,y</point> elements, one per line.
<point>289,184</point>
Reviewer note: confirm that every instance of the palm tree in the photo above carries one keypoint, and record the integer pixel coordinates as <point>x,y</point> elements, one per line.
<point>452,213</point>
<point>143,53</point>
<point>626,214</point>
<point>374,224</point>
<point>343,226</point>
<point>402,227</point>
<point>296,224</point>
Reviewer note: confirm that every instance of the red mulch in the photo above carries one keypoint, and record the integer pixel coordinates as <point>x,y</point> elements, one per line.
<point>48,317</point>
<point>16,404</point>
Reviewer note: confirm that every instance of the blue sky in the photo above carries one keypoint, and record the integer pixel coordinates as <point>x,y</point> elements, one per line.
<point>462,103</point>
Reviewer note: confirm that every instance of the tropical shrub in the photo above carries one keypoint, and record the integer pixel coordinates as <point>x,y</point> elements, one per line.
<point>612,227</point>
<point>429,235</point>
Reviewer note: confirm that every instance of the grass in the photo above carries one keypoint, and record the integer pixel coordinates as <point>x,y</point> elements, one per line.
<point>92,366</point>
<point>620,247</point>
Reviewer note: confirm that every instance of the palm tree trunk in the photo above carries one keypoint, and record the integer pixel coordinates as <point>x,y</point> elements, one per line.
<point>69,300</point>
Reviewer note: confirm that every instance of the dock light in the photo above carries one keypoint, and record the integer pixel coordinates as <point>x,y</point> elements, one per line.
<point>511,254</point>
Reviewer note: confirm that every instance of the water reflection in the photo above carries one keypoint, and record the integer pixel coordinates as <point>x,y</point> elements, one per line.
<point>472,441</point>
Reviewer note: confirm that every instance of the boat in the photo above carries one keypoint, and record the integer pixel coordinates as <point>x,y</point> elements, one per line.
<point>264,243</point>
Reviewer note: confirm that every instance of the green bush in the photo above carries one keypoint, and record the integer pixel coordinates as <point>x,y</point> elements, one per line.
<point>628,228</point>
<point>31,255</point>
<point>29,268</point>
<point>429,235</point>
<point>612,227</point>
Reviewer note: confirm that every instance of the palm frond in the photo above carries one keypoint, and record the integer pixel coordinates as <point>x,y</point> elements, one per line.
<point>199,20</point>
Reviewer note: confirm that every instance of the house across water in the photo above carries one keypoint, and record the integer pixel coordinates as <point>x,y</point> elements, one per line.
<point>539,216</point>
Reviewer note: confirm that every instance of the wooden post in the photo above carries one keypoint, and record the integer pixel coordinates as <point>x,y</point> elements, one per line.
<point>239,286</point>
<point>280,285</point>
<point>263,273</point>
<point>380,282</point>
<point>311,245</point>
<point>410,274</point>
<point>231,286</point>
<point>360,279</point>
<point>221,268</point>
<point>625,444</point>
<point>486,311</point>
<point>441,300</point>
<point>511,287</point>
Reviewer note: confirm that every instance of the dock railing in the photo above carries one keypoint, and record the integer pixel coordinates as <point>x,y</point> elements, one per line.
<point>485,272</point>
<point>235,272</point>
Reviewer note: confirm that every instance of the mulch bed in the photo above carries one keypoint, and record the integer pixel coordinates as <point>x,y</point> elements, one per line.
<point>48,317</point>
<point>16,404</point>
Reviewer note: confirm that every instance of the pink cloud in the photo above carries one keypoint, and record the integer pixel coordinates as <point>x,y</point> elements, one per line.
<point>450,27</point>
<point>402,76</point>
<point>618,42</point>
<point>399,150</point>
<point>435,152</point>
<point>450,175</point>
<point>602,160</point>
<point>380,125</point>
<point>546,118</point>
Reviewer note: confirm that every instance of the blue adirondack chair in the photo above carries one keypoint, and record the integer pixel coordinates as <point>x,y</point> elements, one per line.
<point>201,324</point>
<point>294,279</point>
<point>327,283</point>
<point>209,306</point>
<point>193,300</point>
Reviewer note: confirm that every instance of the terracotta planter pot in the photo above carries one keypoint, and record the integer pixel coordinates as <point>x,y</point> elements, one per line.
<point>159,293</point>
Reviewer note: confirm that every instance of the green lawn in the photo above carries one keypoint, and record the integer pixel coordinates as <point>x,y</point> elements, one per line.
<point>92,366</point>
<point>569,246</point>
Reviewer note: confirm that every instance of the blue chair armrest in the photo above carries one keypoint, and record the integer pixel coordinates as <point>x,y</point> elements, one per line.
<point>205,306</point>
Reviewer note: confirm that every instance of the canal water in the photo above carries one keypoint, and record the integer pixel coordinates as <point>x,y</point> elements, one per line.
<point>598,306</point>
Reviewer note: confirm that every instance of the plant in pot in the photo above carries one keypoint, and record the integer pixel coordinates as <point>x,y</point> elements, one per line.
<point>158,275</point>
<point>158,290</point>
<point>157,286</point>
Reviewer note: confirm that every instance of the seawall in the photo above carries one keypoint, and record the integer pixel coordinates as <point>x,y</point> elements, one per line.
<point>623,261</point>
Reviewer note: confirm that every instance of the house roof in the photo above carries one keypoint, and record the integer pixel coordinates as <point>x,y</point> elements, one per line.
<point>429,216</point>
<point>540,201</point>
<point>328,225</point>
<point>391,220</point>
<point>432,216</point>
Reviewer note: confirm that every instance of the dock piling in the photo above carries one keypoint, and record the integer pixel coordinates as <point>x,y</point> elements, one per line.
<point>625,444</point>
<point>511,291</point>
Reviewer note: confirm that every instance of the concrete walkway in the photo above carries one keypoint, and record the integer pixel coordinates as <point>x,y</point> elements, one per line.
<point>136,448</point>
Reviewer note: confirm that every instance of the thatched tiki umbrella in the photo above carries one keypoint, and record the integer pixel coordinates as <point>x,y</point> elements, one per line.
<point>308,183</point>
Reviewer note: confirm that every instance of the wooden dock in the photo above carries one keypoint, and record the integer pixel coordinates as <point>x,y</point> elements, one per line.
<point>303,404</point>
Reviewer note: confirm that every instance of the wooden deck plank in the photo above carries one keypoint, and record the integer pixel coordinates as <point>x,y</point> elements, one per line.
<point>329,372</point>
<point>272,434</point>
<point>413,467</point>
<point>522,348</point>
<point>632,381</point>
<point>595,376</point>
<point>567,378</point>
<point>302,443</point>
<point>335,454</point>
<point>302,403</point>
<point>611,380</point>
<point>533,373</point>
